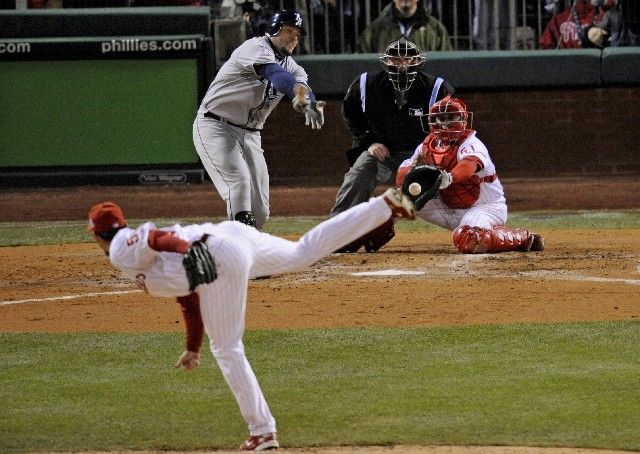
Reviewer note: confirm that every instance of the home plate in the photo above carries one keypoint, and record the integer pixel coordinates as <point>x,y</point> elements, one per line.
<point>388,273</point>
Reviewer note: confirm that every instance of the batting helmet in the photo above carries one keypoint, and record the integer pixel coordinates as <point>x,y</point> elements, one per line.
<point>285,17</point>
<point>402,60</point>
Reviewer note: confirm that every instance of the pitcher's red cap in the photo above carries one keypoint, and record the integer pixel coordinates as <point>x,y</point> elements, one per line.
<point>105,217</point>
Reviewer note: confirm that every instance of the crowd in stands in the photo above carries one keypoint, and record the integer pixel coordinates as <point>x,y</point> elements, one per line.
<point>340,26</point>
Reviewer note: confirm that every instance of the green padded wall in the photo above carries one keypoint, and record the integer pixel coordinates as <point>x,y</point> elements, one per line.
<point>97,112</point>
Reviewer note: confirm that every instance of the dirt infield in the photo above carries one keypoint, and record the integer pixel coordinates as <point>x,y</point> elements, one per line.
<point>583,275</point>
<point>417,280</point>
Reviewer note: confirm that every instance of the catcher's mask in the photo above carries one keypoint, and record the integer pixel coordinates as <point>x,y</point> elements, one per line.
<point>285,17</point>
<point>448,119</point>
<point>402,60</point>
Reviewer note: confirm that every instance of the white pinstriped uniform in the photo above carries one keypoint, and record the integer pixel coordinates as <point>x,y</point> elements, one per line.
<point>233,157</point>
<point>241,253</point>
<point>488,211</point>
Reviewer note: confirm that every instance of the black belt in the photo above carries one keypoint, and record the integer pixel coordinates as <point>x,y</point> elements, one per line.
<point>224,120</point>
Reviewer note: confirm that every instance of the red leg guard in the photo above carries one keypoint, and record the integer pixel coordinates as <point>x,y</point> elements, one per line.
<point>471,240</point>
<point>476,240</point>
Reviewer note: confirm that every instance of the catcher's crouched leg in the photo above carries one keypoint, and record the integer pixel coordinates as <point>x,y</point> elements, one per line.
<point>373,240</point>
<point>477,240</point>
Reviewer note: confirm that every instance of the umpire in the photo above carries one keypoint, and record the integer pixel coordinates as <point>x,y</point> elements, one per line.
<point>383,111</point>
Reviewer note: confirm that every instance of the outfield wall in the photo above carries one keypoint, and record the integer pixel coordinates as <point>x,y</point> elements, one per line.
<point>101,95</point>
<point>86,103</point>
<point>541,113</point>
<point>591,132</point>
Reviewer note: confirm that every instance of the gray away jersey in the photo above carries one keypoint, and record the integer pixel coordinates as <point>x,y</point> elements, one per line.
<point>239,94</point>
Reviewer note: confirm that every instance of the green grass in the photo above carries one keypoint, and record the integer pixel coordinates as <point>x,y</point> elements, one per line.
<point>61,232</point>
<point>538,385</point>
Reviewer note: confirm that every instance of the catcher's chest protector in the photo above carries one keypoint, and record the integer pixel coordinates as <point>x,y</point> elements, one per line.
<point>461,194</point>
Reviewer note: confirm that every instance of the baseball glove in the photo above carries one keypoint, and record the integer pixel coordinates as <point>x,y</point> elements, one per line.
<point>429,178</point>
<point>199,265</point>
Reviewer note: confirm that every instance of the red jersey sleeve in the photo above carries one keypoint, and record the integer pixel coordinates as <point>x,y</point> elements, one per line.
<point>165,241</point>
<point>465,169</point>
<point>194,327</point>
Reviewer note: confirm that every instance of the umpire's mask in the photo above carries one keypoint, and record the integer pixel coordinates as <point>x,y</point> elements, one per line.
<point>402,60</point>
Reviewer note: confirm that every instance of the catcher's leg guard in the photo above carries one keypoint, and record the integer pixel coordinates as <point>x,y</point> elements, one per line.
<point>476,240</point>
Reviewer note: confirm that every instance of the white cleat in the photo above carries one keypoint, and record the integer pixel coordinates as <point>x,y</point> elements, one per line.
<point>260,442</point>
<point>401,206</point>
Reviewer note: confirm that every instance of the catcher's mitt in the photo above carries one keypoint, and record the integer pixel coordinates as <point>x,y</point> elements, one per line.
<point>199,265</point>
<point>429,178</point>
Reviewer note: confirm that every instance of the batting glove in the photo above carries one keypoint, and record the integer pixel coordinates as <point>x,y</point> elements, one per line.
<point>314,114</point>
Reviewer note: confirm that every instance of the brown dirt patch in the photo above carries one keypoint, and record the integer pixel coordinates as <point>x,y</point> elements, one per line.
<point>575,279</point>
<point>581,276</point>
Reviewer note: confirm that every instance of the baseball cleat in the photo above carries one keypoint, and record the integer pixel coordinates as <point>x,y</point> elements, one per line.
<point>401,206</point>
<point>534,242</point>
<point>260,442</point>
<point>537,242</point>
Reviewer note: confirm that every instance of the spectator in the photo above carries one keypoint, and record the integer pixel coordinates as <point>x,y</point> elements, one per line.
<point>610,28</point>
<point>491,25</point>
<point>42,4</point>
<point>568,28</point>
<point>385,122</point>
<point>258,13</point>
<point>226,131</point>
<point>408,19</point>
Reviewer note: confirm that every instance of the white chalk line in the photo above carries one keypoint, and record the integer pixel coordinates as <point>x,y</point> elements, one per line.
<point>573,276</point>
<point>391,272</point>
<point>67,297</point>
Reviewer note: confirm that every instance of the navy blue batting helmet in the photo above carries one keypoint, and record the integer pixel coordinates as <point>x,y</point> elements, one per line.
<point>285,17</point>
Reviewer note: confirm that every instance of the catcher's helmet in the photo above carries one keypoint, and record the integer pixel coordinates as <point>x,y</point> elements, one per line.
<point>402,60</point>
<point>449,118</point>
<point>285,17</point>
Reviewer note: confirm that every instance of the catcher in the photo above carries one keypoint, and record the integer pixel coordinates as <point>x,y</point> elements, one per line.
<point>453,184</point>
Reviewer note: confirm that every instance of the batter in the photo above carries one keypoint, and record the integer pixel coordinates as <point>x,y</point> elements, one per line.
<point>226,131</point>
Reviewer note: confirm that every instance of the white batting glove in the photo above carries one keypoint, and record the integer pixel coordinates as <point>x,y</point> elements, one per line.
<point>188,360</point>
<point>446,181</point>
<point>314,114</point>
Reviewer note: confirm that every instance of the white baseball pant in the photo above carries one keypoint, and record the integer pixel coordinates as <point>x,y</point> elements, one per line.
<point>242,252</point>
<point>486,215</point>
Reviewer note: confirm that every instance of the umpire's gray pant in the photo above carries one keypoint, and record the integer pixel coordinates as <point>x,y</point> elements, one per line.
<point>360,181</point>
